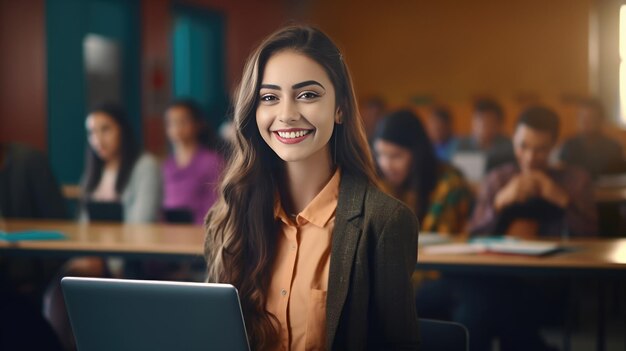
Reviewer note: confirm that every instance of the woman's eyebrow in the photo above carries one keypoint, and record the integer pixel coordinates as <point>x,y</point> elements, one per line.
<point>295,86</point>
<point>270,86</point>
<point>305,83</point>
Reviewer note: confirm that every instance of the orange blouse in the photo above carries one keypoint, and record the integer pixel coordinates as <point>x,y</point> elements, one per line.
<point>297,291</point>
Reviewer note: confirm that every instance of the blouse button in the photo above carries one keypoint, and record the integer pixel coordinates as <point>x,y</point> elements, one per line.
<point>283,292</point>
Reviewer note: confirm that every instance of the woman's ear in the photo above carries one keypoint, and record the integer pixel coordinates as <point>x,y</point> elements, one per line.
<point>339,116</point>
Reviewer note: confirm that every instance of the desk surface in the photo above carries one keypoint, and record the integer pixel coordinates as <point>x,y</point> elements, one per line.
<point>596,254</point>
<point>610,194</point>
<point>110,238</point>
<point>186,240</point>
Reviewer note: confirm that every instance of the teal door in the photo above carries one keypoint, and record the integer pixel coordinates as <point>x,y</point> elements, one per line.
<point>92,56</point>
<point>198,60</point>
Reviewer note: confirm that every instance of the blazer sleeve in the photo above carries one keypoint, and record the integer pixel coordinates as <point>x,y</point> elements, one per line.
<point>395,316</point>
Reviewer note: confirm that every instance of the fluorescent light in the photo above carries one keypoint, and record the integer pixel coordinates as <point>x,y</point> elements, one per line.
<point>622,32</point>
<point>622,66</point>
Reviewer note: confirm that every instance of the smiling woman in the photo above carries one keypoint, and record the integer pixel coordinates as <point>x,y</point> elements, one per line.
<point>296,110</point>
<point>300,226</point>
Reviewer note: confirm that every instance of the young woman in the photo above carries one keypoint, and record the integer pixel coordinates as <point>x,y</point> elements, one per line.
<point>191,172</point>
<point>436,191</point>
<point>116,171</point>
<point>407,161</point>
<point>321,257</point>
<point>118,174</point>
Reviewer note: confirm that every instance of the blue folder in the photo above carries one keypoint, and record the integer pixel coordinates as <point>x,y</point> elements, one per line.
<point>31,235</point>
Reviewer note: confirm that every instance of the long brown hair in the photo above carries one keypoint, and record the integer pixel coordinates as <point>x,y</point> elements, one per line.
<point>240,227</point>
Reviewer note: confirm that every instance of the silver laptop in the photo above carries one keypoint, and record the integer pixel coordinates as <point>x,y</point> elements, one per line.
<point>472,164</point>
<point>116,314</point>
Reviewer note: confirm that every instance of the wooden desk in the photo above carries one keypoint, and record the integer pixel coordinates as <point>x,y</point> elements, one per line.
<point>108,239</point>
<point>606,255</point>
<point>597,257</point>
<point>610,194</point>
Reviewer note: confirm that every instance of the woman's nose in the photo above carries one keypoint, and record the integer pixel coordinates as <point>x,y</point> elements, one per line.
<point>289,113</point>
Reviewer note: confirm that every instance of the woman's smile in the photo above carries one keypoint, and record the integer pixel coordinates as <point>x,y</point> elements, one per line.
<point>292,135</point>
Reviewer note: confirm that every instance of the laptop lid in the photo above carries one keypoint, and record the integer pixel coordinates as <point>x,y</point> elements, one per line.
<point>116,314</point>
<point>105,211</point>
<point>472,164</point>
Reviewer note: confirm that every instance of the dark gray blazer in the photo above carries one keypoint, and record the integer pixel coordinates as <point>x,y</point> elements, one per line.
<point>370,301</point>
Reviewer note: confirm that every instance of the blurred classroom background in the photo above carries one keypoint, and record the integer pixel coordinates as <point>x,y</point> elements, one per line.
<point>167,70</point>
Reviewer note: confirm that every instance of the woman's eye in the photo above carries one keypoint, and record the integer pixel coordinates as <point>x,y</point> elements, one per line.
<point>268,98</point>
<point>307,95</point>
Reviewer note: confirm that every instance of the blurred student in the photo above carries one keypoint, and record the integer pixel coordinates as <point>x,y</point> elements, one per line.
<point>411,172</point>
<point>28,188</point>
<point>434,190</point>
<point>527,199</point>
<point>119,174</point>
<point>372,110</point>
<point>116,169</point>
<point>191,172</point>
<point>591,148</point>
<point>530,196</point>
<point>439,128</point>
<point>321,257</point>
<point>487,137</point>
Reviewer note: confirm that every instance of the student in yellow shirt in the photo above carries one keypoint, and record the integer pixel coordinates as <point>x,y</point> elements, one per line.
<point>321,257</point>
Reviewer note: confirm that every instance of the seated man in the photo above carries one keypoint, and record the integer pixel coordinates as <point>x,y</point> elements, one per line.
<point>524,199</point>
<point>531,197</point>
<point>591,148</point>
<point>439,127</point>
<point>487,137</point>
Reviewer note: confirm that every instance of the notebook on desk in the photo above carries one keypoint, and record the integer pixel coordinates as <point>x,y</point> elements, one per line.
<point>116,314</point>
<point>499,245</point>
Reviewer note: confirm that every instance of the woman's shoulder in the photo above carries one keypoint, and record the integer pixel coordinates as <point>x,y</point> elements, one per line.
<point>381,207</point>
<point>450,176</point>
<point>146,163</point>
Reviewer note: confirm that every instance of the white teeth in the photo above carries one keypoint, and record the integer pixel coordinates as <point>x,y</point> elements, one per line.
<point>292,135</point>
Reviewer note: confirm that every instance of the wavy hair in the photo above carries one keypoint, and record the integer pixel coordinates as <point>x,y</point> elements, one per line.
<point>240,228</point>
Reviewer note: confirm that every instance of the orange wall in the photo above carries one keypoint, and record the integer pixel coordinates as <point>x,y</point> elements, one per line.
<point>454,50</point>
<point>23,73</point>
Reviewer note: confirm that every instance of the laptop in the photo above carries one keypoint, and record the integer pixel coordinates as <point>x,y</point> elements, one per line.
<point>472,164</point>
<point>105,211</point>
<point>117,314</point>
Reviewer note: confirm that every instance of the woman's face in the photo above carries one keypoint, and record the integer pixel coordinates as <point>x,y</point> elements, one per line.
<point>104,135</point>
<point>394,161</point>
<point>180,126</point>
<point>297,111</point>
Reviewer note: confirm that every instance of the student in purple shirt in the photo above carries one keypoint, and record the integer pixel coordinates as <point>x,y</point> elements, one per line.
<point>191,171</point>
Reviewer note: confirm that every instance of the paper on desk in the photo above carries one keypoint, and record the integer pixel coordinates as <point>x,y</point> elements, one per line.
<point>455,249</point>
<point>530,248</point>
<point>430,238</point>
<point>31,235</point>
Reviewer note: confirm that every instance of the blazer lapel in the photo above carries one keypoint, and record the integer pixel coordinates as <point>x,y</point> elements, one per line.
<point>344,242</point>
